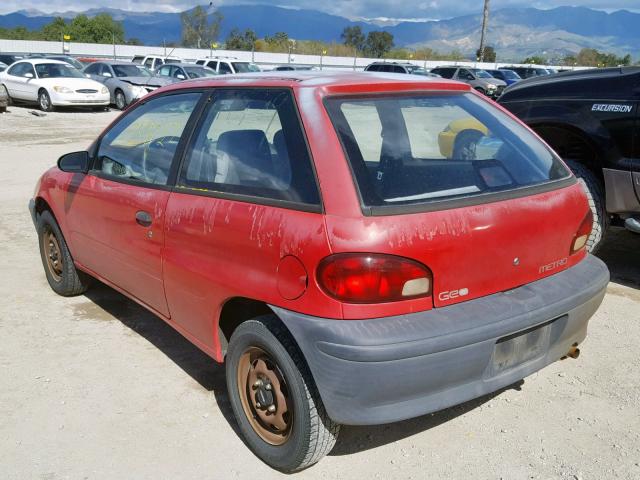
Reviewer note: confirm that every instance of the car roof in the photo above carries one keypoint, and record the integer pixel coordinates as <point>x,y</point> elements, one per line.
<point>38,61</point>
<point>327,82</point>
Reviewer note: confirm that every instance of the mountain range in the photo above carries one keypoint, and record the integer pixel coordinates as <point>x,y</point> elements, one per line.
<point>514,32</point>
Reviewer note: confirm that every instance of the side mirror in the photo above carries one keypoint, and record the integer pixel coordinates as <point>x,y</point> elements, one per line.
<point>87,75</point>
<point>180,76</point>
<point>106,74</point>
<point>28,75</point>
<point>76,162</point>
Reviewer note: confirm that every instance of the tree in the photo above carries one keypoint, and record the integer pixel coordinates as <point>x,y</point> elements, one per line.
<point>535,59</point>
<point>489,54</point>
<point>198,30</point>
<point>241,40</point>
<point>278,42</point>
<point>378,43</point>
<point>353,37</point>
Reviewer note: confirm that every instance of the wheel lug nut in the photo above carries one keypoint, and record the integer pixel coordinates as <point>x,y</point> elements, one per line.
<point>257,383</point>
<point>267,386</point>
<point>258,405</point>
<point>271,409</point>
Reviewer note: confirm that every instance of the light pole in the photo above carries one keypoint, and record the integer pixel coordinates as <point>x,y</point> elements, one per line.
<point>483,34</point>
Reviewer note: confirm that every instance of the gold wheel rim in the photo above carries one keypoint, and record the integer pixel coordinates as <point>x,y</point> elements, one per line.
<point>265,396</point>
<point>53,254</point>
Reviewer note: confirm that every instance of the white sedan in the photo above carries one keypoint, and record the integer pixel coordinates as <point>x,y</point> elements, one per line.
<point>52,83</point>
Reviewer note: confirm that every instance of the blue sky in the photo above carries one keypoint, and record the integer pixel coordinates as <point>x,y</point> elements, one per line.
<point>405,9</point>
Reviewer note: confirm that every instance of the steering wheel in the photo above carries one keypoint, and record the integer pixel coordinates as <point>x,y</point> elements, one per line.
<point>162,145</point>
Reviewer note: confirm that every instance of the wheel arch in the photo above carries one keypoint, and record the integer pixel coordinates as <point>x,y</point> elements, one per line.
<point>234,312</point>
<point>573,143</point>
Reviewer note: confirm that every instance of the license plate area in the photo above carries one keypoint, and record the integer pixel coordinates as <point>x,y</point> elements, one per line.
<point>520,348</point>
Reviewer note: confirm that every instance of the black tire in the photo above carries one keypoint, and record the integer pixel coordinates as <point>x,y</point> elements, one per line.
<point>312,433</point>
<point>464,146</point>
<point>480,90</point>
<point>63,278</point>
<point>9,99</point>
<point>596,197</point>
<point>44,101</point>
<point>120,100</point>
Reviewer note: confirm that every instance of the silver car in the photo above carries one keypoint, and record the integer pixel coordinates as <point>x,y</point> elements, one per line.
<point>177,72</point>
<point>126,82</point>
<point>476,77</point>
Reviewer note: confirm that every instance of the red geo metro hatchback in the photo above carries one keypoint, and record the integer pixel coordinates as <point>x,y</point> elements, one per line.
<point>357,248</point>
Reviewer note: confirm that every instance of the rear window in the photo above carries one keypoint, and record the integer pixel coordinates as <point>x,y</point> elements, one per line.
<point>419,149</point>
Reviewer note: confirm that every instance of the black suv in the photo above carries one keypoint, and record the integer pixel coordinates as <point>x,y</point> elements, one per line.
<point>591,119</point>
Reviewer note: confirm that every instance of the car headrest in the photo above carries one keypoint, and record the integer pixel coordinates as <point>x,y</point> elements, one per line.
<point>248,150</point>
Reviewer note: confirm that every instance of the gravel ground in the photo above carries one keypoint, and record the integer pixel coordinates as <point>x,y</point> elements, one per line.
<point>96,387</point>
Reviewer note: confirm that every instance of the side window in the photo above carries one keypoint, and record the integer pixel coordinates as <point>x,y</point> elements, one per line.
<point>213,65</point>
<point>225,68</point>
<point>178,73</point>
<point>92,69</point>
<point>399,70</point>
<point>250,142</point>
<point>21,69</point>
<point>142,145</point>
<point>445,72</point>
<point>373,68</point>
<point>148,63</point>
<point>165,71</point>
<point>367,134</point>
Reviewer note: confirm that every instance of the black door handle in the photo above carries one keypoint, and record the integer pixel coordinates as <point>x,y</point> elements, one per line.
<point>143,218</point>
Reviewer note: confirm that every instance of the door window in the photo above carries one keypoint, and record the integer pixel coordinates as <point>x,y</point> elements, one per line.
<point>225,68</point>
<point>21,69</point>
<point>92,69</point>
<point>142,145</point>
<point>250,142</point>
<point>165,71</point>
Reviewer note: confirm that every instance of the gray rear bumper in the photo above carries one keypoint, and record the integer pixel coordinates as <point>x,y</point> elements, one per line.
<point>389,369</point>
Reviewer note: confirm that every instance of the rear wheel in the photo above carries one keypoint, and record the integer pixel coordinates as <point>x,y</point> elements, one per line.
<point>595,195</point>
<point>44,101</point>
<point>62,275</point>
<point>274,397</point>
<point>6,92</point>
<point>121,100</point>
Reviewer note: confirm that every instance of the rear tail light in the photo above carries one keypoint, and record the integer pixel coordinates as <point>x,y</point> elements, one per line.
<point>582,235</point>
<point>373,278</point>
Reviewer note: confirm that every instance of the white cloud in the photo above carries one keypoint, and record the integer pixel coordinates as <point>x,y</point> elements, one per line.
<point>350,8</point>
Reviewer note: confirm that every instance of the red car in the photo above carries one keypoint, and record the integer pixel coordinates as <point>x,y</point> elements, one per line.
<point>357,248</point>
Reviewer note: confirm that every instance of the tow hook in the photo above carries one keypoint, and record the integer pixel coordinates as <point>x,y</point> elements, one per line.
<point>574,352</point>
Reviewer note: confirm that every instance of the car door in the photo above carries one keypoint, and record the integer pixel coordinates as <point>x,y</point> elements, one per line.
<point>18,80</point>
<point>116,213</point>
<point>245,199</point>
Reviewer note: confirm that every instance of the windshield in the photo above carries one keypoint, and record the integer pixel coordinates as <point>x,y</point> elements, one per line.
<point>127,70</point>
<point>57,70</point>
<point>244,67</point>
<point>199,72</point>
<point>71,61</point>
<point>481,73</point>
<point>437,147</point>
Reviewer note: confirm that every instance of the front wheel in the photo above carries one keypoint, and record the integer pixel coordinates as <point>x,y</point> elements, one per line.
<point>44,101</point>
<point>274,397</point>
<point>62,275</point>
<point>121,100</point>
